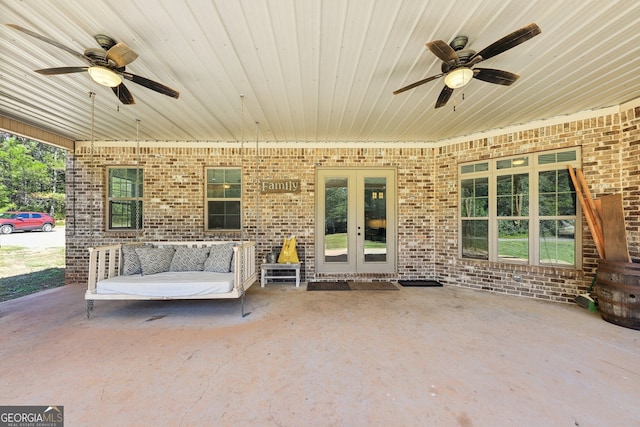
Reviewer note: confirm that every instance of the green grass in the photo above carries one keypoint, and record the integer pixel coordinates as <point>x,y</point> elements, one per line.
<point>555,251</point>
<point>25,271</point>
<point>339,241</point>
<point>562,251</point>
<point>25,284</point>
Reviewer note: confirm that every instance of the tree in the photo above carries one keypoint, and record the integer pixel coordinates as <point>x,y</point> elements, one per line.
<point>32,175</point>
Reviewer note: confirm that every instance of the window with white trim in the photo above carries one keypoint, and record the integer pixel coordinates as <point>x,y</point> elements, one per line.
<point>223,205</point>
<point>124,198</point>
<point>520,210</point>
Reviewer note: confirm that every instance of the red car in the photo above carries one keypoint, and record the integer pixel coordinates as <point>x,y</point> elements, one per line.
<point>25,221</point>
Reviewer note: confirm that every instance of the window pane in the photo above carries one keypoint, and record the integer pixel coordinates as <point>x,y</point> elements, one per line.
<point>513,239</point>
<point>482,187</point>
<point>512,163</point>
<point>466,207</point>
<point>215,176</point>
<point>475,239</point>
<point>557,196</point>
<point>504,206</point>
<point>547,204</point>
<point>223,215</point>
<point>557,242</point>
<point>232,176</point>
<point>475,197</point>
<point>467,169</point>
<point>567,156</point>
<point>224,184</point>
<point>505,185</point>
<point>122,183</point>
<point>566,204</point>
<point>547,182</point>
<point>215,191</point>
<point>375,213</point>
<point>564,180</point>
<point>513,195</point>
<point>336,247</point>
<point>564,157</point>
<point>232,191</point>
<point>481,207</point>
<point>122,215</point>
<point>478,167</point>
<point>466,187</point>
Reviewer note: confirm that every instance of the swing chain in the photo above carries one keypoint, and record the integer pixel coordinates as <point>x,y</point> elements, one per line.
<point>138,201</point>
<point>92,190</point>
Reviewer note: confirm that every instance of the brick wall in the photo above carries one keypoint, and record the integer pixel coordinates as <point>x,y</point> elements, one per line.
<point>427,197</point>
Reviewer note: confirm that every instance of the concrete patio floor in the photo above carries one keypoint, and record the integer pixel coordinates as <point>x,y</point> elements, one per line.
<point>414,357</point>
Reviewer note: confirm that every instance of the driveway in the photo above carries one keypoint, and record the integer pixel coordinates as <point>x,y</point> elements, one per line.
<point>35,239</point>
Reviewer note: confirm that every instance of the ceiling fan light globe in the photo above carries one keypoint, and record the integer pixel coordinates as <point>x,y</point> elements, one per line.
<point>458,78</point>
<point>104,76</point>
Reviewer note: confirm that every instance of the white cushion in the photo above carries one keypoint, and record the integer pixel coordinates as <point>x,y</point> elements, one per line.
<point>168,284</point>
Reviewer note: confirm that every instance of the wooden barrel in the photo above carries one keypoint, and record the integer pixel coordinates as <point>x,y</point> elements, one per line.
<point>618,292</point>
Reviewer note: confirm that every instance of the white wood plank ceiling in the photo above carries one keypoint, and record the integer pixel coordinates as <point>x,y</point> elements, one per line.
<point>313,70</point>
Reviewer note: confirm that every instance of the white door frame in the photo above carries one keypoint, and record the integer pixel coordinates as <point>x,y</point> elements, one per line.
<point>354,256</point>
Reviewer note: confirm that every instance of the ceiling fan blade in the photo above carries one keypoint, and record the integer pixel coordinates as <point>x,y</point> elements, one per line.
<point>150,84</point>
<point>445,94</point>
<point>442,50</point>
<point>123,94</point>
<point>418,83</point>
<point>121,55</point>
<point>498,77</point>
<point>509,41</point>
<point>61,70</point>
<point>48,40</point>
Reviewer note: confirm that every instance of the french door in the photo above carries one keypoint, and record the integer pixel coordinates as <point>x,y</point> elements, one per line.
<point>355,220</point>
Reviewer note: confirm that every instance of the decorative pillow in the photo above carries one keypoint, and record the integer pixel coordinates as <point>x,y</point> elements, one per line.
<point>155,260</point>
<point>233,259</point>
<point>219,260</point>
<point>131,262</point>
<point>189,259</point>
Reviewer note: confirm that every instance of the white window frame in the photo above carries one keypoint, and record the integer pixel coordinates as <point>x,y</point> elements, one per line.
<point>137,225</point>
<point>208,199</point>
<point>533,168</point>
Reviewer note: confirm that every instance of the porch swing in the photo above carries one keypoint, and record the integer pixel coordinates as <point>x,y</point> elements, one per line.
<point>166,270</point>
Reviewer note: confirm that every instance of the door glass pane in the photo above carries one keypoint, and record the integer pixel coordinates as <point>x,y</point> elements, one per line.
<point>375,219</point>
<point>335,227</point>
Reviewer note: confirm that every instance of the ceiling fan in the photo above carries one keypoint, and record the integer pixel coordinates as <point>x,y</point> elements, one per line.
<point>106,66</point>
<point>458,62</point>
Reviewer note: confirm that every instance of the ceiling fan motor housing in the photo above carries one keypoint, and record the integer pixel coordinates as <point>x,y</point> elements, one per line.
<point>97,56</point>
<point>463,58</point>
<point>459,43</point>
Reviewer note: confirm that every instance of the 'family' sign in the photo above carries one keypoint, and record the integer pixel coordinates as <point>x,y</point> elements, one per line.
<point>280,186</point>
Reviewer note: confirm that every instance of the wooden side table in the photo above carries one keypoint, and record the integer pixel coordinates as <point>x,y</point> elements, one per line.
<point>276,272</point>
